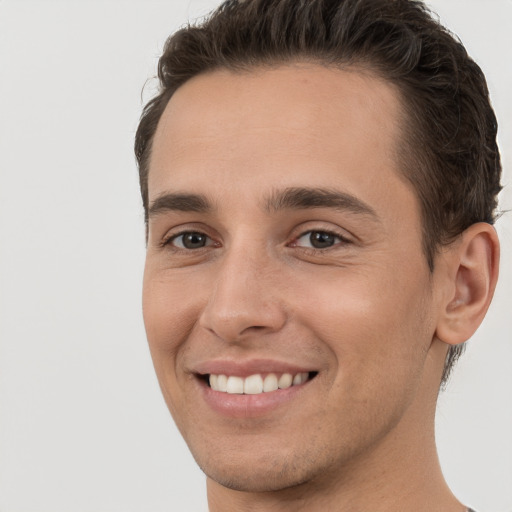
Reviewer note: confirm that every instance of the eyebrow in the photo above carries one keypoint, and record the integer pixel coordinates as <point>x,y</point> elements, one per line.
<point>297,198</point>
<point>294,198</point>
<point>179,202</point>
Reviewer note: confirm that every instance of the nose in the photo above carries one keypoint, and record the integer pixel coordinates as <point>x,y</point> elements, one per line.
<point>244,298</point>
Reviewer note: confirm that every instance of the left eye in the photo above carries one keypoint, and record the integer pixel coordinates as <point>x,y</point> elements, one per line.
<point>318,240</point>
<point>191,240</point>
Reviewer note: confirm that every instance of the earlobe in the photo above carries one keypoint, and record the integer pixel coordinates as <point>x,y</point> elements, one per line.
<point>472,274</point>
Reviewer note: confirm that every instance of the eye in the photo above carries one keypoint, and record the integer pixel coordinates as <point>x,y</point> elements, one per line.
<point>319,240</point>
<point>190,240</point>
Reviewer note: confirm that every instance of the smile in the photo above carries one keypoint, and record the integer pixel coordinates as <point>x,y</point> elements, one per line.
<point>252,388</point>
<point>257,383</point>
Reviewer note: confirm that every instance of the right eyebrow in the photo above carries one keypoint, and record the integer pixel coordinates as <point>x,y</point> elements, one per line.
<point>179,202</point>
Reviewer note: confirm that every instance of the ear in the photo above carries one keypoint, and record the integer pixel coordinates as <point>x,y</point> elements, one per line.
<point>469,281</point>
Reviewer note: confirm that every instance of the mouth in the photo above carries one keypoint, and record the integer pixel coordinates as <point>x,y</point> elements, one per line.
<point>256,384</point>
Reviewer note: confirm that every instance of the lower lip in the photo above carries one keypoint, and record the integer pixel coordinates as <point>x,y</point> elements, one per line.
<point>249,406</point>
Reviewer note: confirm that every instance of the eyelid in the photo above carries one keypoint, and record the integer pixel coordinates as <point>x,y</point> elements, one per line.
<point>175,233</point>
<point>342,240</point>
<point>173,239</point>
<point>310,227</point>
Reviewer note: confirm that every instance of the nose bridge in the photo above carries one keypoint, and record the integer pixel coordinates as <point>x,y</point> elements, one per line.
<point>244,297</point>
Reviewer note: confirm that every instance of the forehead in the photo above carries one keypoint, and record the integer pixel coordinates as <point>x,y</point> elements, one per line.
<point>282,126</point>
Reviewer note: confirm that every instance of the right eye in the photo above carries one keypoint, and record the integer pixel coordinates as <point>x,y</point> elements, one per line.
<point>190,240</point>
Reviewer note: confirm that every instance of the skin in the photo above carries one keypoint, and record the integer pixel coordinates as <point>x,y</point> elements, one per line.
<point>364,313</point>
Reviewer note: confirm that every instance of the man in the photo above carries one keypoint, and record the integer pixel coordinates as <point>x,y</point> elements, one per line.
<point>319,180</point>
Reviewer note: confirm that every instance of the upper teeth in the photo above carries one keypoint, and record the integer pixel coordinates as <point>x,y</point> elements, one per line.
<point>255,384</point>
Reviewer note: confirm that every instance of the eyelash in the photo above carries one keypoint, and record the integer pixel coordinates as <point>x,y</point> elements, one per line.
<point>341,240</point>
<point>168,241</point>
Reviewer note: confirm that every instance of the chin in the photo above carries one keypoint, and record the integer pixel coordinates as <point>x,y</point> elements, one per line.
<point>268,479</point>
<point>264,470</point>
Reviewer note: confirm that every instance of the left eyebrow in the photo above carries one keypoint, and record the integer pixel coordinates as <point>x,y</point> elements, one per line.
<point>297,198</point>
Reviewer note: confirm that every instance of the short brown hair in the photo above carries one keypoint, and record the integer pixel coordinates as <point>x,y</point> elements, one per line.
<point>449,152</point>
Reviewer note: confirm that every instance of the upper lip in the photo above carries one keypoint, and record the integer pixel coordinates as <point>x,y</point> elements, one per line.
<point>244,368</point>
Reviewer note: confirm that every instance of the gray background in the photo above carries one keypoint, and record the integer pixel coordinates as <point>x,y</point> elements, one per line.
<point>83,427</point>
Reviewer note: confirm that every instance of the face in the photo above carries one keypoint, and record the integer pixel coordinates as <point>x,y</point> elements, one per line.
<point>287,301</point>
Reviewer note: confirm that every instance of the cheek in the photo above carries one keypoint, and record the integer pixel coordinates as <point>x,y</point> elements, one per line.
<point>170,312</point>
<point>378,326</point>
<point>378,340</point>
<point>166,300</point>
<point>169,316</point>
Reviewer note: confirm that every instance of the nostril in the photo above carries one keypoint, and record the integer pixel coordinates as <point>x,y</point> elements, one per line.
<point>256,328</point>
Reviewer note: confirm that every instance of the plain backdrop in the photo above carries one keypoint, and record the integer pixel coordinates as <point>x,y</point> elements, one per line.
<point>83,427</point>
